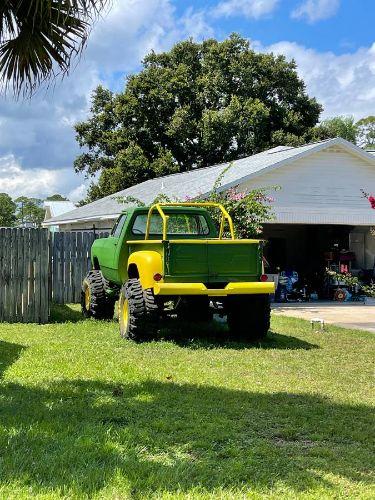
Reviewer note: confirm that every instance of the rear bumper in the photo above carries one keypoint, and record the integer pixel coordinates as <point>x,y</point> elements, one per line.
<point>200,289</point>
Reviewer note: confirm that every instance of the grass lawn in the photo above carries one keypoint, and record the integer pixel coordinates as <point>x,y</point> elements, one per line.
<point>84,414</point>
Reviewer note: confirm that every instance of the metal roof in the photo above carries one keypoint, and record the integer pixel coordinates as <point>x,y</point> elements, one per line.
<point>57,208</point>
<point>199,182</point>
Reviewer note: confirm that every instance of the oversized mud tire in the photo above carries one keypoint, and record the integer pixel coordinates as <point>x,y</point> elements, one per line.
<point>138,312</point>
<point>248,317</point>
<point>94,301</point>
<point>194,308</point>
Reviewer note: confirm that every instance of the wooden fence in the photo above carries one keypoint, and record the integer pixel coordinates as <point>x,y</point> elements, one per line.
<point>24,275</point>
<point>70,261</point>
<point>38,267</point>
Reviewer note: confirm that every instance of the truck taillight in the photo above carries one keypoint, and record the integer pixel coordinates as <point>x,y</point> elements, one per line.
<point>157,277</point>
<point>264,277</point>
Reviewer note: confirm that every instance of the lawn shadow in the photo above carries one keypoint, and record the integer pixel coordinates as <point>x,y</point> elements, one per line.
<point>215,334</point>
<point>195,335</point>
<point>9,353</point>
<point>63,313</point>
<point>81,436</point>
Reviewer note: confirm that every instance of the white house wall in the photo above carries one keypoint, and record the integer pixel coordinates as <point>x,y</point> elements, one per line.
<point>323,188</point>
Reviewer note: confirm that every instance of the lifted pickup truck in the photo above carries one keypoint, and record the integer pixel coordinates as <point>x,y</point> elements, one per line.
<point>172,258</point>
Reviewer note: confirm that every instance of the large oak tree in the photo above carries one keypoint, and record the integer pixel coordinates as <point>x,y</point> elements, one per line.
<point>194,106</point>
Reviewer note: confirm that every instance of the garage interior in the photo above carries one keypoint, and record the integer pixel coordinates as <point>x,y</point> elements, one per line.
<point>309,249</point>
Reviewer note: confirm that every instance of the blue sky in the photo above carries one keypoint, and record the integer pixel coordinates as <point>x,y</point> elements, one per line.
<point>343,26</point>
<point>332,41</point>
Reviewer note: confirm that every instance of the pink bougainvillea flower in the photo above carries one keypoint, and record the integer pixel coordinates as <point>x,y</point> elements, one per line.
<point>235,195</point>
<point>238,196</point>
<point>371,199</point>
<point>270,199</point>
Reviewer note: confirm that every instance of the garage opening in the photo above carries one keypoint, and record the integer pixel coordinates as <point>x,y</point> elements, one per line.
<point>310,249</point>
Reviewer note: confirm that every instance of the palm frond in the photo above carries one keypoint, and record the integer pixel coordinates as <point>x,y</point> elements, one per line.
<point>39,38</point>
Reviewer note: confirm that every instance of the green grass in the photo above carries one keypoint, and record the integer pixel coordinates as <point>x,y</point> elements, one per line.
<point>84,414</point>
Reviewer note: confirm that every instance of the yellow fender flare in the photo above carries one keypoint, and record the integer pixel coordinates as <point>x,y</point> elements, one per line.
<point>148,264</point>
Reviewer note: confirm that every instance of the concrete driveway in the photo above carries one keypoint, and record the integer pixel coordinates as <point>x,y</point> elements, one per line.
<point>347,315</point>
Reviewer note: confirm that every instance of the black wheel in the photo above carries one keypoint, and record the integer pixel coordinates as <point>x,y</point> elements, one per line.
<point>192,308</point>
<point>138,312</point>
<point>94,301</point>
<point>248,316</point>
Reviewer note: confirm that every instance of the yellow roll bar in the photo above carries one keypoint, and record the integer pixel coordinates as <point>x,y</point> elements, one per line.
<point>159,207</point>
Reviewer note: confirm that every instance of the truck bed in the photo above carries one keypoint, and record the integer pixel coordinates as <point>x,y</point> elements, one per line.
<point>212,260</point>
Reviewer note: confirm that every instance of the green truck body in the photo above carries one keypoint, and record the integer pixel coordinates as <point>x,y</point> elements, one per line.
<point>207,261</point>
<point>174,252</point>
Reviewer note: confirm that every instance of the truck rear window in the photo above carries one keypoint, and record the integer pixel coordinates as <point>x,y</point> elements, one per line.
<point>194,224</point>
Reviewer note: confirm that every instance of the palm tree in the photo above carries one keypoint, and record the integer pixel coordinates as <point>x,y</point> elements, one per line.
<point>39,38</point>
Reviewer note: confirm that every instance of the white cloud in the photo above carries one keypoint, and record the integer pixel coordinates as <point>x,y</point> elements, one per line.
<point>132,28</point>
<point>38,182</point>
<point>344,84</point>
<point>195,24</point>
<point>249,8</point>
<point>78,193</point>
<point>39,132</point>
<point>316,10</point>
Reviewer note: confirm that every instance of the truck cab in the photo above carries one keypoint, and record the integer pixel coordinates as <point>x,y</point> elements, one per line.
<point>111,254</point>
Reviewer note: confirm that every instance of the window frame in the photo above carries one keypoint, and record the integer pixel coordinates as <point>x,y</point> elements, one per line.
<point>207,232</point>
<point>120,222</point>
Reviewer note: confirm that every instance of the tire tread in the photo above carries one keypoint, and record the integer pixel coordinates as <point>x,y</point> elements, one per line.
<point>143,311</point>
<point>101,306</point>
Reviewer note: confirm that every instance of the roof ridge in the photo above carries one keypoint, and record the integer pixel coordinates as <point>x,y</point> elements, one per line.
<point>271,152</point>
<point>225,163</point>
<point>287,148</point>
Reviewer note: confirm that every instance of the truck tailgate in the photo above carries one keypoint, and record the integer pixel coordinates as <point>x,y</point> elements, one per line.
<point>213,260</point>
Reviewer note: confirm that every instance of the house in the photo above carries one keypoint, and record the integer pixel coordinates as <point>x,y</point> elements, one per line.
<point>56,209</point>
<point>318,208</point>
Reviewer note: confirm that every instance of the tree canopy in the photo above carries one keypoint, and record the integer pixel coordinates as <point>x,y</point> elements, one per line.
<point>39,38</point>
<point>30,211</point>
<point>366,132</point>
<point>56,197</point>
<point>194,106</point>
<point>338,126</point>
<point>361,132</point>
<point>24,211</point>
<point>7,210</point>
